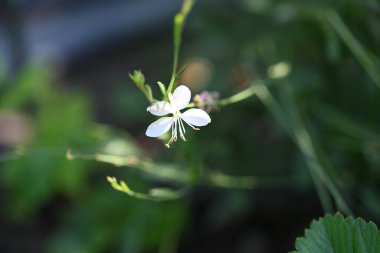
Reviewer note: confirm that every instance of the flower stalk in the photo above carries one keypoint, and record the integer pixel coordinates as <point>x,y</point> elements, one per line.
<point>179,22</point>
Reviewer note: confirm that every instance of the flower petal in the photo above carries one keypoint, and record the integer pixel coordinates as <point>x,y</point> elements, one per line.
<point>181,97</point>
<point>196,117</point>
<point>159,127</point>
<point>160,108</point>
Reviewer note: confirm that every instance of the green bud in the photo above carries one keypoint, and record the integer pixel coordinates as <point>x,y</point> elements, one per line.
<point>162,88</point>
<point>148,93</point>
<point>138,78</point>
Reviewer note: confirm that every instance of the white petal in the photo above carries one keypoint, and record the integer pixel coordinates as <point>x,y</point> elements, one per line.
<point>159,127</point>
<point>181,97</point>
<point>160,108</point>
<point>196,117</point>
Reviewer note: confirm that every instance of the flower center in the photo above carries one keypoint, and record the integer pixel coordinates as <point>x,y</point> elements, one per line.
<point>177,114</point>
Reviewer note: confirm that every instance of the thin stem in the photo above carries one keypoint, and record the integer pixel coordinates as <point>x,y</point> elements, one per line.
<point>240,96</point>
<point>153,195</point>
<point>244,94</point>
<point>179,22</point>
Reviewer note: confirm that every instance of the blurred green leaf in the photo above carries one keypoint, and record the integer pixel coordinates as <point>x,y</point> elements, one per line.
<point>61,120</point>
<point>104,221</point>
<point>29,83</point>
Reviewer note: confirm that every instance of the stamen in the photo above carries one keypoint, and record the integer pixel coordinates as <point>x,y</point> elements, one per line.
<point>193,127</point>
<point>172,131</point>
<point>174,134</point>
<point>181,129</point>
<point>175,130</point>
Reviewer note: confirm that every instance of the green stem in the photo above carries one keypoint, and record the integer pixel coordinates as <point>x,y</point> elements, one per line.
<point>244,94</point>
<point>357,49</point>
<point>123,187</point>
<point>240,96</point>
<point>179,22</point>
<point>175,174</point>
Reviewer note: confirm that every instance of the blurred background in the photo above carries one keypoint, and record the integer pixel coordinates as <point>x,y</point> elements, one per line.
<point>64,85</point>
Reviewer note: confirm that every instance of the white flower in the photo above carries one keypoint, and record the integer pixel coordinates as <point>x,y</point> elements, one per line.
<point>178,100</point>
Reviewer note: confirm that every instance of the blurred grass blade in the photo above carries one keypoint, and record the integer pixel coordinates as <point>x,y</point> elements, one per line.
<point>301,137</point>
<point>364,58</point>
<point>343,123</point>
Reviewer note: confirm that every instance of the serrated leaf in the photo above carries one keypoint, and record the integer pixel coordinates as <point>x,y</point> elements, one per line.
<point>336,234</point>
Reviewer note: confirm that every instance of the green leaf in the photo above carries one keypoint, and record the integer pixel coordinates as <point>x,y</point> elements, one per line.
<point>180,72</point>
<point>337,234</point>
<point>30,82</point>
